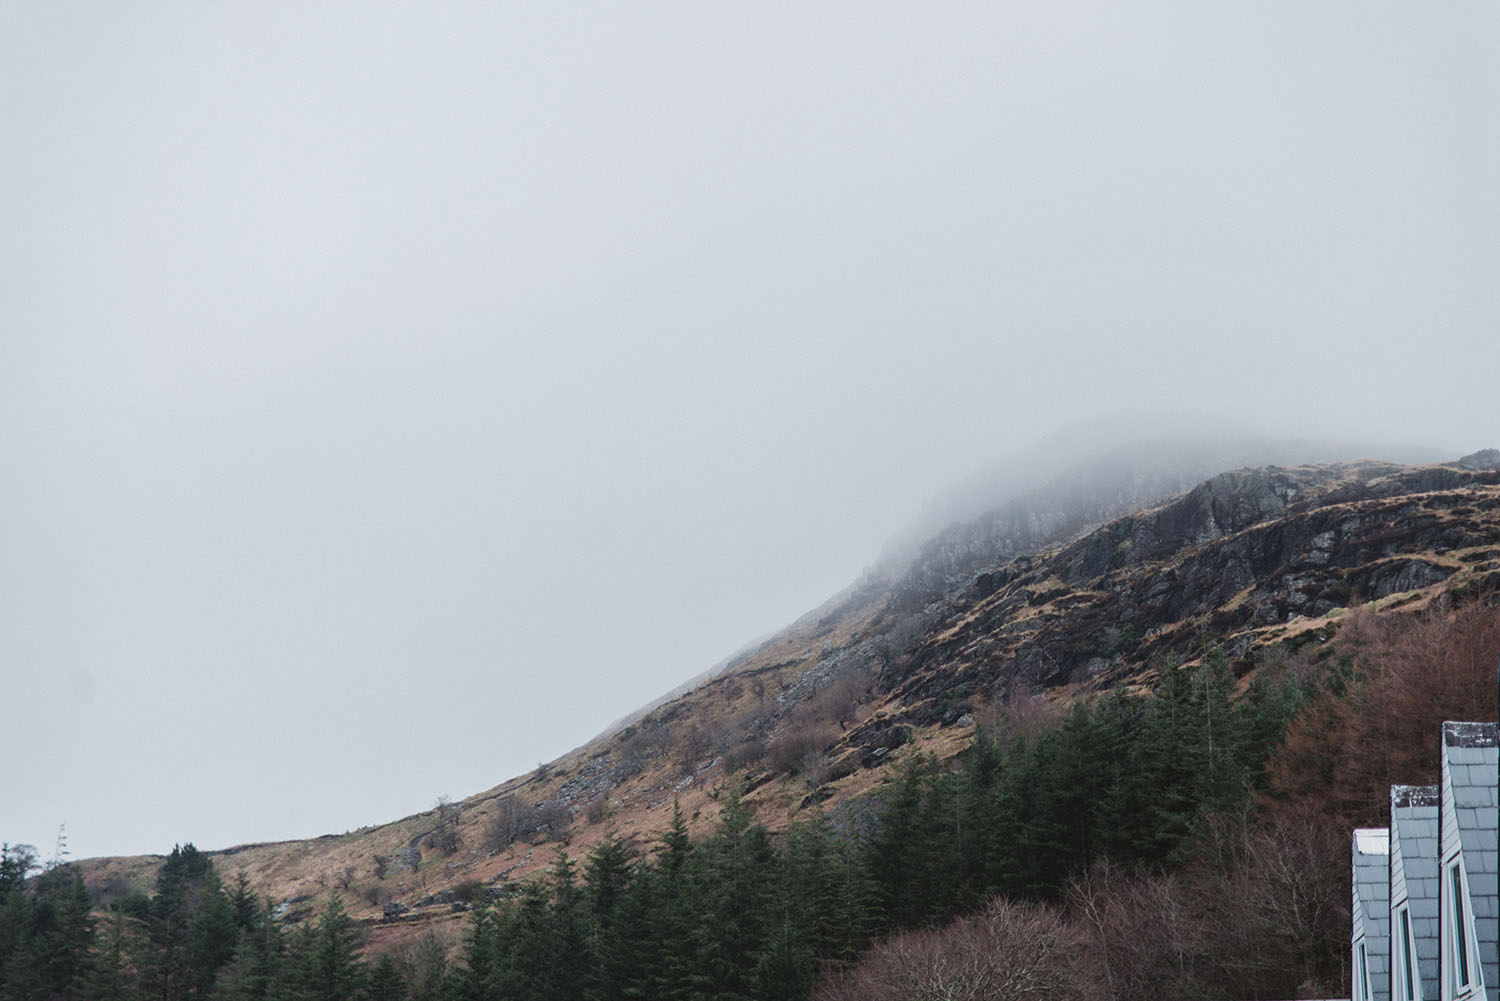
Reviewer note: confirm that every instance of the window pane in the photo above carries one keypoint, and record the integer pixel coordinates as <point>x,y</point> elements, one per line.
<point>1460,931</point>
<point>1406,973</point>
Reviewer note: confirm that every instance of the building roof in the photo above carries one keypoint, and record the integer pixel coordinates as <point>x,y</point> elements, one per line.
<point>1471,775</point>
<point>1470,734</point>
<point>1372,914</point>
<point>1414,874</point>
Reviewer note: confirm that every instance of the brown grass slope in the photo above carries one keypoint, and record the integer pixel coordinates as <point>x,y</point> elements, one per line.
<point>1254,561</point>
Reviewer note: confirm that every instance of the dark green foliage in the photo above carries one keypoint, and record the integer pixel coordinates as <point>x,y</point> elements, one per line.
<point>46,931</point>
<point>259,970</point>
<point>785,970</point>
<point>736,916</point>
<point>327,968</point>
<point>189,927</point>
<point>385,982</point>
<point>61,931</point>
<point>1133,782</point>
<point>108,976</point>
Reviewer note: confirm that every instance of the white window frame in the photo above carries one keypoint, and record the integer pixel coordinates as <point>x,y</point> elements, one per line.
<point>1406,984</point>
<point>1458,929</point>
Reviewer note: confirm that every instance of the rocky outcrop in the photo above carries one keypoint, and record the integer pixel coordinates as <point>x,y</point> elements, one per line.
<point>1233,559</point>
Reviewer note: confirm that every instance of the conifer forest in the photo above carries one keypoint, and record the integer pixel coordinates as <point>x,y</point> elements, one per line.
<point>1176,843</point>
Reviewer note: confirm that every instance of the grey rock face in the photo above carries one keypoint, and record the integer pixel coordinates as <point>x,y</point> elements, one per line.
<point>1485,458</point>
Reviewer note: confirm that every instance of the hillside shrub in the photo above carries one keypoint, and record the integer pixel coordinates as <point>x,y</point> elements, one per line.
<point>1008,952</point>
<point>800,745</point>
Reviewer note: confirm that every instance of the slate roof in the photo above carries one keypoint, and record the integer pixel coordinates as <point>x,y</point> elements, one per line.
<point>1414,876</point>
<point>1372,914</point>
<point>1471,775</point>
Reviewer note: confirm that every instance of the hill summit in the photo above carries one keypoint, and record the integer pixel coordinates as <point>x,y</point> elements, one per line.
<point>1101,578</point>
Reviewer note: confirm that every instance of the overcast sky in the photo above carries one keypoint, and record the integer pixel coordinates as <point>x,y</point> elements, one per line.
<point>393,395</point>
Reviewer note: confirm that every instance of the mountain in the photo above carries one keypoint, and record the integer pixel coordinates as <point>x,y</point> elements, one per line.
<point>1099,577</point>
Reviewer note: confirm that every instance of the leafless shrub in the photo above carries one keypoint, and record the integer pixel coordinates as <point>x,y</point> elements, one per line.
<point>746,751</point>
<point>424,965</point>
<point>643,744</point>
<point>345,877</point>
<point>1026,716</point>
<point>1276,899</point>
<point>741,740</point>
<point>597,810</point>
<point>382,865</point>
<point>514,819</point>
<point>815,768</point>
<point>1146,931</point>
<point>691,746</point>
<point>796,744</point>
<point>1007,953</point>
<point>552,819</point>
<point>445,834</point>
<point>509,820</point>
<point>842,702</point>
<point>1258,913</point>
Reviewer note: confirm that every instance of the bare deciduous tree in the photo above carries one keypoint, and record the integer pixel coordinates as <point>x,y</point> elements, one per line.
<point>446,836</point>
<point>1010,952</point>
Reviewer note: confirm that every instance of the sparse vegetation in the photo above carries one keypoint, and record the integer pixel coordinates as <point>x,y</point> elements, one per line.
<point>597,810</point>
<point>801,747</point>
<point>446,836</point>
<point>1178,828</point>
<point>641,746</point>
<point>514,820</point>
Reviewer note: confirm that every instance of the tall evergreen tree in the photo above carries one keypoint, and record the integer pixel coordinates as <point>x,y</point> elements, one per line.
<point>190,928</point>
<point>608,877</point>
<point>386,983</point>
<point>62,931</point>
<point>327,967</point>
<point>732,897</point>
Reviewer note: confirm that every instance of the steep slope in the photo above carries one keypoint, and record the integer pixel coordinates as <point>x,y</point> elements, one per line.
<point>1246,560</point>
<point>1055,592</point>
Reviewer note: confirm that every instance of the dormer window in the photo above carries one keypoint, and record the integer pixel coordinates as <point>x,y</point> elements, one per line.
<point>1406,978</point>
<point>1459,952</point>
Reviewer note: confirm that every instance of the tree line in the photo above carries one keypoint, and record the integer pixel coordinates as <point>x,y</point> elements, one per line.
<point>1150,845</point>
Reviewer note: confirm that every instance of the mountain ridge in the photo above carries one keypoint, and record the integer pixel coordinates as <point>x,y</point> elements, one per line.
<point>872,672</point>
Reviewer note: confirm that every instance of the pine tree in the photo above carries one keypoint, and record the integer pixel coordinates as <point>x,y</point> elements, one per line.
<point>62,931</point>
<point>567,942</point>
<point>19,974</point>
<point>385,981</point>
<point>822,891</point>
<point>477,980</point>
<point>608,876</point>
<point>183,953</point>
<point>327,967</point>
<point>785,970</point>
<point>732,897</point>
<point>1163,763</point>
<point>673,905</point>
<point>260,968</point>
<point>887,850</point>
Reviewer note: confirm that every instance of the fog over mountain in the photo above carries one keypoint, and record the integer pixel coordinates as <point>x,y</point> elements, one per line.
<point>392,396</point>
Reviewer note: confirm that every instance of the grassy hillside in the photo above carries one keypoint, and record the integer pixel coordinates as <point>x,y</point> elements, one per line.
<point>1012,616</point>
